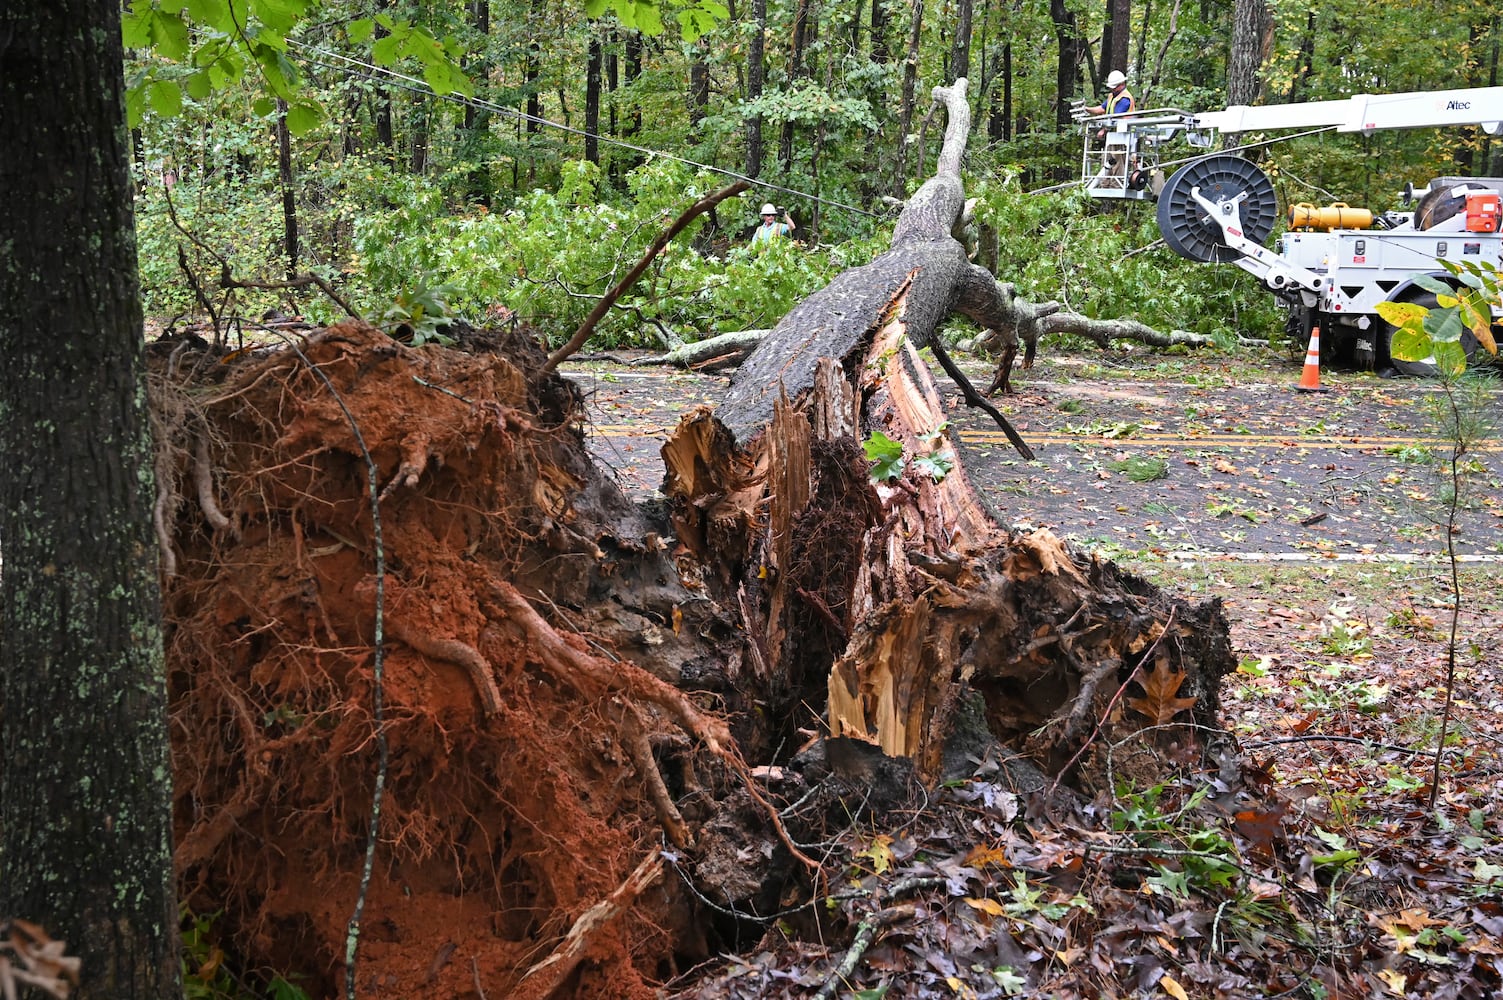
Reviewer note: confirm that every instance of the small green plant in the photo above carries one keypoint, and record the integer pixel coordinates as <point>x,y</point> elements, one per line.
<point>205,975</point>
<point>420,314</point>
<point>1436,336</point>
<point>888,462</point>
<point>886,456</point>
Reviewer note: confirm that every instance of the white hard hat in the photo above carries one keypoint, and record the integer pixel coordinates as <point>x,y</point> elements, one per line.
<point>1115,77</point>
<point>768,209</point>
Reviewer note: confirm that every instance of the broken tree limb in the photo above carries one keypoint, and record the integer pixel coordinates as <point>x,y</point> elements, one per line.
<point>927,269</point>
<point>609,298</point>
<point>1037,321</point>
<point>735,345</point>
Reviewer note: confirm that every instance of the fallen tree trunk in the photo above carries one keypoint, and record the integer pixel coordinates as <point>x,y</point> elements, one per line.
<point>892,603</point>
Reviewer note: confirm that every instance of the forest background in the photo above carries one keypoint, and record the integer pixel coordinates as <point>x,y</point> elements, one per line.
<point>445,159</point>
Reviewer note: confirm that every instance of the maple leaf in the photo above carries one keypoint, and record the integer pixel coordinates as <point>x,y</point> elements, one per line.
<point>1161,685</point>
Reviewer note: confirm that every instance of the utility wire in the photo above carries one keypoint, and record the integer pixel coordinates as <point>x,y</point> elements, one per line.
<point>317,57</point>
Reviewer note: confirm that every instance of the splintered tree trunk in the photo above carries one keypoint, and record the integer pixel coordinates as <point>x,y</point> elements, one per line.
<point>891,604</point>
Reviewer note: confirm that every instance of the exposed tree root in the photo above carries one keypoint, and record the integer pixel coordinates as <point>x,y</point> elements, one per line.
<point>545,978</point>
<point>453,651</point>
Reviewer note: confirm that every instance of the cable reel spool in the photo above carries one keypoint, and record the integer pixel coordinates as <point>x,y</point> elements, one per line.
<point>1193,234</point>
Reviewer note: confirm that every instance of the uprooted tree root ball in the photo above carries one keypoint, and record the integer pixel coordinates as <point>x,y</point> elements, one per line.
<point>515,794</point>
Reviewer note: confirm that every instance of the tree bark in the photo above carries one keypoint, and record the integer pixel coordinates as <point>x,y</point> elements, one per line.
<point>84,776</point>
<point>910,88</point>
<point>386,136</point>
<point>796,72</point>
<point>477,120</point>
<point>1066,68</point>
<point>1114,47</point>
<point>592,102</point>
<point>754,74</point>
<point>289,194</point>
<point>1252,32</point>
<point>960,45</point>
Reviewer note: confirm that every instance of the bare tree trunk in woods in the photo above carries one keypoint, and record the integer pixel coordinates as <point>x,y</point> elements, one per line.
<point>1066,70</point>
<point>1117,53</point>
<point>419,158</point>
<point>699,90</point>
<point>1252,33</point>
<point>755,57</point>
<point>879,53</point>
<point>289,190</point>
<point>1168,40</point>
<point>477,120</point>
<point>891,604</point>
<point>386,136</point>
<point>531,74</point>
<point>612,85</point>
<point>85,771</point>
<point>592,102</point>
<point>633,126</point>
<point>910,87</point>
<point>814,157</point>
<point>796,72</point>
<point>960,45</point>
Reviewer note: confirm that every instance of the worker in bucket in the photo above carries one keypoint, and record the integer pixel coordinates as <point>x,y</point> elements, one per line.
<point>770,227</point>
<point>1118,101</point>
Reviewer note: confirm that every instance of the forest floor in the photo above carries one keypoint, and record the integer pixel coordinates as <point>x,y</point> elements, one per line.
<point>1318,520</point>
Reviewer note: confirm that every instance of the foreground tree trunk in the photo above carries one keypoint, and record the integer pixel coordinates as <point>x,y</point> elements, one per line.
<point>85,841</point>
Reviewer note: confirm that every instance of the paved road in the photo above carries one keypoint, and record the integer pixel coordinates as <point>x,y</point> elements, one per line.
<point>1245,466</point>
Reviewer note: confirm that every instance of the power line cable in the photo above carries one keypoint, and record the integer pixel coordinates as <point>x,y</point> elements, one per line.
<point>316,57</point>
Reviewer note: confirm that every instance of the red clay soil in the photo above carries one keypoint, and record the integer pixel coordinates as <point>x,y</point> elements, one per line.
<point>512,800</point>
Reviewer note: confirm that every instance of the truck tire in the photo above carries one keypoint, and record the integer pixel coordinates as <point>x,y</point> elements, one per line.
<point>1421,369</point>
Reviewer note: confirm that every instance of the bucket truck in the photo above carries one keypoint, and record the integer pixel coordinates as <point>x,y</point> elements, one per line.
<point>1334,264</point>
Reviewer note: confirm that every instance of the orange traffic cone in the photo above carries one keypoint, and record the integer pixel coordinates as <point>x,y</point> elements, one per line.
<point>1309,379</point>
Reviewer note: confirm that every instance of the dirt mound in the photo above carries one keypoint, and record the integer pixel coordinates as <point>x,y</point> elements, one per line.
<point>354,530</point>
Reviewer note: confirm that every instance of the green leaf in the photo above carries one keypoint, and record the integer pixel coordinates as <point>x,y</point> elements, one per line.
<point>936,465</point>
<point>169,36</point>
<point>387,50</point>
<point>166,98</point>
<point>1444,325</point>
<point>213,13</point>
<point>264,107</point>
<point>135,104</point>
<point>1430,283</point>
<point>1450,357</point>
<point>594,8</point>
<point>280,16</point>
<point>626,13</point>
<point>446,78</point>
<point>199,85</point>
<point>360,31</point>
<point>135,29</point>
<point>1402,313</point>
<point>303,117</point>
<point>1406,345</point>
<point>886,454</point>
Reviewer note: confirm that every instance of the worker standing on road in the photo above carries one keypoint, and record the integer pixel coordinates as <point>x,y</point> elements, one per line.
<point>771,227</point>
